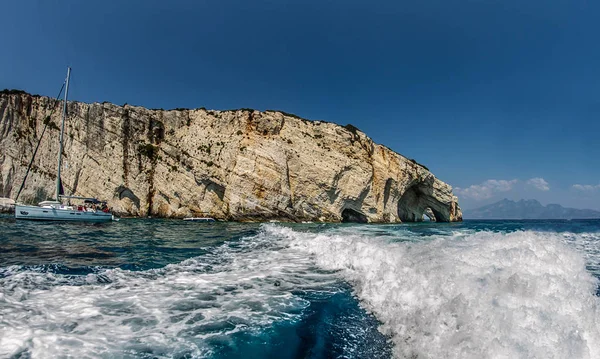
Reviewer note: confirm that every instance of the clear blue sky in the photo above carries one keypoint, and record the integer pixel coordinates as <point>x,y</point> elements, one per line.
<point>488,94</point>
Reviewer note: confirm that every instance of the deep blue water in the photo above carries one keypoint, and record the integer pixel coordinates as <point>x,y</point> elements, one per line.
<point>152,288</point>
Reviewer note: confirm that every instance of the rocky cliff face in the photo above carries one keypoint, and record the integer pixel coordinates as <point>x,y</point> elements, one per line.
<point>233,165</point>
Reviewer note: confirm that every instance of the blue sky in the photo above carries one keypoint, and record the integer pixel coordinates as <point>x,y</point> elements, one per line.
<point>499,98</point>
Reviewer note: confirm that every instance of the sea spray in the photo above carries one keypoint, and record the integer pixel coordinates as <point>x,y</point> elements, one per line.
<point>481,295</point>
<point>175,309</point>
<point>469,290</point>
<point>247,295</point>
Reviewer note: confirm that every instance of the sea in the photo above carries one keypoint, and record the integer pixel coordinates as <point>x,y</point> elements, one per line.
<point>160,288</point>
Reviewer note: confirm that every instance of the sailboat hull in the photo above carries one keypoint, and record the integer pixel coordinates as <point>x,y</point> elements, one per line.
<point>36,213</point>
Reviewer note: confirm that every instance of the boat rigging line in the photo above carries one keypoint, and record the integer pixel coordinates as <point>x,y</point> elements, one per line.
<point>46,122</point>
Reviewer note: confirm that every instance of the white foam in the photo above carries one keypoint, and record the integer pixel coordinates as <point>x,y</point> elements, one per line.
<point>483,295</point>
<point>449,294</point>
<point>166,312</point>
<point>589,245</point>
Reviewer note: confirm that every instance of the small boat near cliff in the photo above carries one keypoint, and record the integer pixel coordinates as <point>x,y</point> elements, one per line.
<point>199,219</point>
<point>91,210</point>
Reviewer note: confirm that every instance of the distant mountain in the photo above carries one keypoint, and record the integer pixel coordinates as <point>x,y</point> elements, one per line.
<point>527,209</point>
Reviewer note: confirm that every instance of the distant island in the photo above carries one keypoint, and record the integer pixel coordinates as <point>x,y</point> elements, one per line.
<point>528,209</point>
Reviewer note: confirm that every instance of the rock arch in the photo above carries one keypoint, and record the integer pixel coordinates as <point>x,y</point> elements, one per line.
<point>418,200</point>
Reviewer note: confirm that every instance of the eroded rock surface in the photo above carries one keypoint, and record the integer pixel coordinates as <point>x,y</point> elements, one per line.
<point>233,165</point>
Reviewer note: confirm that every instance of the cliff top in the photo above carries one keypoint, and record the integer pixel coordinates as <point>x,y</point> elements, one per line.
<point>351,128</point>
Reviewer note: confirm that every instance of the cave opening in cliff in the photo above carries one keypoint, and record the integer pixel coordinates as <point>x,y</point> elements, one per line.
<point>351,216</point>
<point>428,215</point>
<point>409,206</point>
<point>416,203</point>
<point>438,216</point>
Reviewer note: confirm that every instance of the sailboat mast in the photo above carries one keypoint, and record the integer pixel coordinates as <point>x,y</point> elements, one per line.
<point>62,132</point>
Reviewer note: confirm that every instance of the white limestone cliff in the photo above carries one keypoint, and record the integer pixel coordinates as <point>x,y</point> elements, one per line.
<point>233,165</point>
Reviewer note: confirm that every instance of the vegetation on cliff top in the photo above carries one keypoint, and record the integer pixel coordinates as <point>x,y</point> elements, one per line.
<point>16,92</point>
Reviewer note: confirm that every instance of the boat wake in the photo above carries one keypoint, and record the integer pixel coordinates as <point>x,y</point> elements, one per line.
<point>207,306</point>
<point>462,294</point>
<point>470,295</point>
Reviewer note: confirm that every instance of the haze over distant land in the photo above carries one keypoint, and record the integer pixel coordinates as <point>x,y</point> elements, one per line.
<point>491,191</point>
<point>528,209</point>
<point>498,98</point>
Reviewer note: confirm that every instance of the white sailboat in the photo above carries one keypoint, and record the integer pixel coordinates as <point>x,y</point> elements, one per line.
<point>91,210</point>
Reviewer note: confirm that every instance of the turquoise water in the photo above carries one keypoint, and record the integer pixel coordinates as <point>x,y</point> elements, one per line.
<point>149,288</point>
